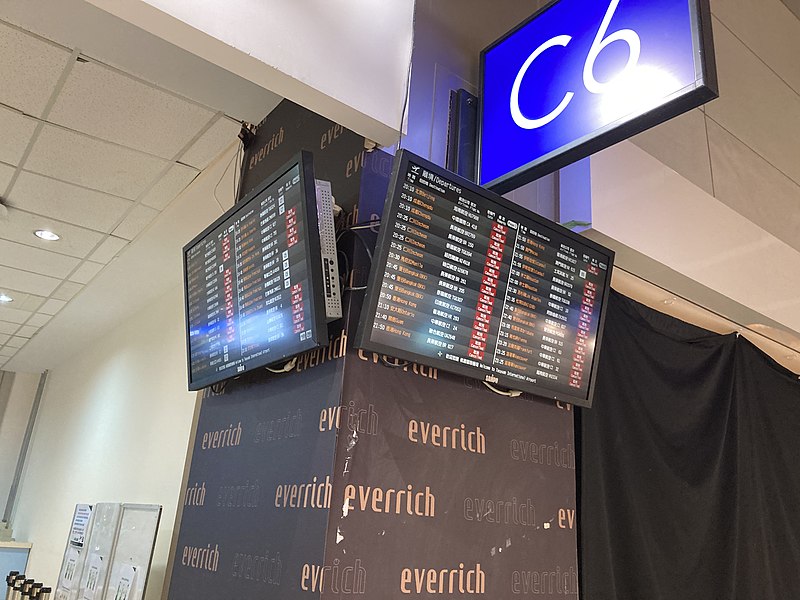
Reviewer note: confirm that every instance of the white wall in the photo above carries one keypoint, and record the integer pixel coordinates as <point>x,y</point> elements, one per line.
<point>113,426</point>
<point>345,60</point>
<point>13,423</point>
<point>115,418</point>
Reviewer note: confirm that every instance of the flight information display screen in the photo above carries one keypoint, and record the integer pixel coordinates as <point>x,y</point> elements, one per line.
<point>469,282</point>
<point>253,280</point>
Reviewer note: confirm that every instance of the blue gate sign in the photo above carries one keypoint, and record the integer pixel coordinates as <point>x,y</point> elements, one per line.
<point>581,75</point>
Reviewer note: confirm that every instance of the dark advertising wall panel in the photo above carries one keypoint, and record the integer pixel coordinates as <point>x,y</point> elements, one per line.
<point>339,154</point>
<point>443,488</point>
<point>358,178</point>
<point>256,505</point>
<point>438,485</point>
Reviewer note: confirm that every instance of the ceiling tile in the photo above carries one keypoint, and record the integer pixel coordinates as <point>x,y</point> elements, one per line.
<point>169,186</point>
<point>794,6</point>
<point>7,352</point>
<point>86,272</point>
<point>135,222</point>
<point>681,144</point>
<point>8,328</point>
<point>38,320</point>
<point>27,282</point>
<point>16,342</point>
<point>26,331</point>
<point>31,302</point>
<point>741,176</point>
<point>110,247</point>
<point>29,70</point>
<point>67,290</point>
<point>67,202</point>
<point>52,306</point>
<point>23,300</point>
<point>769,30</point>
<point>211,144</point>
<point>99,165</point>
<point>75,241</point>
<point>4,338</point>
<point>755,105</point>
<point>28,258</point>
<point>115,107</point>
<point>6,173</point>
<point>13,315</point>
<point>17,131</point>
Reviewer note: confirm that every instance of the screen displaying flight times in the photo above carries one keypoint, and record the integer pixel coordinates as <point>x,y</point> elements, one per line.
<point>469,282</point>
<point>252,280</point>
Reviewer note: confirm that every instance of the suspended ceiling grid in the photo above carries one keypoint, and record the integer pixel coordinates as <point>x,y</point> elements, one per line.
<point>45,23</point>
<point>91,153</point>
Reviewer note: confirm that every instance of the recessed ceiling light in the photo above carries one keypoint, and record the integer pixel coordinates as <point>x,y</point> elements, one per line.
<point>47,235</point>
<point>5,298</point>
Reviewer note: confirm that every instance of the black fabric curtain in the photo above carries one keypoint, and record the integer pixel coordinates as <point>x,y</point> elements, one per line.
<point>690,466</point>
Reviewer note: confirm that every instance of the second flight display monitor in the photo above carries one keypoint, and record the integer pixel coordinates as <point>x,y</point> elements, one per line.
<point>253,279</point>
<point>471,283</point>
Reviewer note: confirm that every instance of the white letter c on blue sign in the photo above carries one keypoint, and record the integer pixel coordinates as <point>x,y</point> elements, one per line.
<point>516,114</point>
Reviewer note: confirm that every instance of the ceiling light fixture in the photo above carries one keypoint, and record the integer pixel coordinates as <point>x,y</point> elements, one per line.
<point>5,298</point>
<point>47,235</point>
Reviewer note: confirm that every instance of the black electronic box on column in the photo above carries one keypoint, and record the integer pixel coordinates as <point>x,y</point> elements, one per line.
<point>468,282</point>
<point>254,284</point>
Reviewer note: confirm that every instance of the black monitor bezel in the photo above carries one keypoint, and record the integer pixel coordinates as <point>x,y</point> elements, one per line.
<point>380,256</point>
<point>314,253</point>
<point>706,88</point>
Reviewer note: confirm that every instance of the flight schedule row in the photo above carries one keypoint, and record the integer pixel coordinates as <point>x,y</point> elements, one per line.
<point>486,289</point>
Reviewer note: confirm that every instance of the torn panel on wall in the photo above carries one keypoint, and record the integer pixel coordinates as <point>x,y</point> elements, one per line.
<point>443,487</point>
